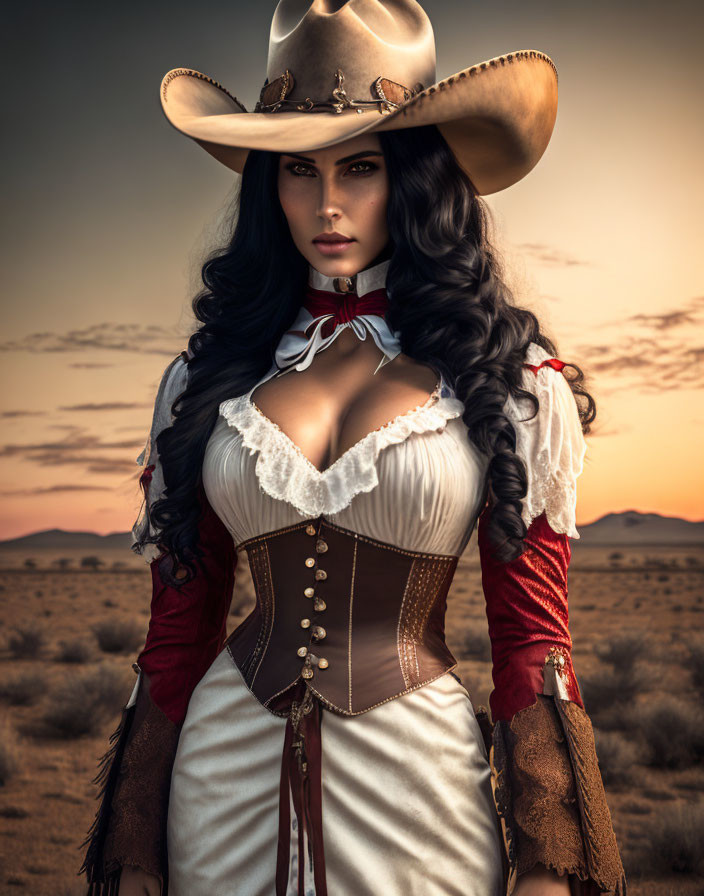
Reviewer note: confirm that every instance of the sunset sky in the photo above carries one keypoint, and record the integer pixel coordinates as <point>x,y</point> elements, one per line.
<point>109,212</point>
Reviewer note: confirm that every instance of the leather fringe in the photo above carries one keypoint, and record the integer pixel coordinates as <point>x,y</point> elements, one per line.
<point>100,882</point>
<point>109,887</point>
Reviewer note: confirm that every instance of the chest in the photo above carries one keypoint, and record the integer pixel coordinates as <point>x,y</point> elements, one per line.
<point>324,415</point>
<point>416,483</point>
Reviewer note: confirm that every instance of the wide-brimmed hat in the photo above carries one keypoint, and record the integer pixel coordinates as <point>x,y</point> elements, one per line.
<point>337,69</point>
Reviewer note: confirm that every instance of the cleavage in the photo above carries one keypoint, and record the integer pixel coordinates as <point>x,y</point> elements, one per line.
<point>324,417</point>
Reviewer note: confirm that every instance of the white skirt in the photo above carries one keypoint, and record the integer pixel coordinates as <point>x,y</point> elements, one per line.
<point>406,796</point>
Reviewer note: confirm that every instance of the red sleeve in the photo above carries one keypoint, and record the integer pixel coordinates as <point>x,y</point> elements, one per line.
<point>545,775</point>
<point>526,606</point>
<point>187,628</point>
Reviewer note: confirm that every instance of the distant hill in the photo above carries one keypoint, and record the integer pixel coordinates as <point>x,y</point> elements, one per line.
<point>627,528</point>
<point>60,540</point>
<point>633,528</point>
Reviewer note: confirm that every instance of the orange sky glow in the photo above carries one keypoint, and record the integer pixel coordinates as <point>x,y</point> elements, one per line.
<point>111,216</point>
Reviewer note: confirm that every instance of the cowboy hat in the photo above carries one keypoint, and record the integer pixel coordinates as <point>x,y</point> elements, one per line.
<point>339,68</point>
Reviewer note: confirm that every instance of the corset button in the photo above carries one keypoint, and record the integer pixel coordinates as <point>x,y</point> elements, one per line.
<point>309,592</point>
<point>322,663</point>
<point>310,561</point>
<point>310,529</point>
<point>305,623</point>
<point>319,632</point>
<point>307,672</point>
<point>321,546</point>
<point>320,574</point>
<point>319,605</point>
<point>302,651</point>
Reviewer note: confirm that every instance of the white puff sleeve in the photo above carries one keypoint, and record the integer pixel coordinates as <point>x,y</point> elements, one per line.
<point>551,445</point>
<point>173,382</point>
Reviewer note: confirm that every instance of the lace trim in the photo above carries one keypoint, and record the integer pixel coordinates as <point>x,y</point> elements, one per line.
<point>551,445</point>
<point>286,474</point>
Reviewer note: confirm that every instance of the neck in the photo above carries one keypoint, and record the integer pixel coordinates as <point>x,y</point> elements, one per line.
<point>368,280</point>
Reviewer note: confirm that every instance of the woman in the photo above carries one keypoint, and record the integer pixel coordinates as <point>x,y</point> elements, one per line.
<point>327,746</point>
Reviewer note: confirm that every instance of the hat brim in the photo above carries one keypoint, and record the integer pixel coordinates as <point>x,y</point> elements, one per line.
<point>497,116</point>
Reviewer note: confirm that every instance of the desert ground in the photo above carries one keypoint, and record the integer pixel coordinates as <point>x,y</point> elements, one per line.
<point>71,634</point>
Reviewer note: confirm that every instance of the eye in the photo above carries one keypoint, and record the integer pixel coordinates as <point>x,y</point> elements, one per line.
<point>304,170</point>
<point>363,167</point>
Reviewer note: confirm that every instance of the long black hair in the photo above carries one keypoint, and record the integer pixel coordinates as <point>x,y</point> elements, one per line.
<point>447,298</point>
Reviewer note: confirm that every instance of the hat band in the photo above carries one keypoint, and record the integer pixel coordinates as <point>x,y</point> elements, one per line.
<point>274,96</point>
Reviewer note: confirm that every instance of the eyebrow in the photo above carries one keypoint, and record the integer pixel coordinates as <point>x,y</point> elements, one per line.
<point>357,155</point>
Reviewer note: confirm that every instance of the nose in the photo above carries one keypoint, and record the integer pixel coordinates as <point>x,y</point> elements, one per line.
<point>328,200</point>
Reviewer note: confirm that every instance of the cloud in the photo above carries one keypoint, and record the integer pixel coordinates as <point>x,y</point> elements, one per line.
<point>79,449</point>
<point>107,406</point>
<point>14,415</point>
<point>89,365</point>
<point>664,321</point>
<point>689,314</point>
<point>653,353</point>
<point>52,489</point>
<point>551,256</point>
<point>145,339</point>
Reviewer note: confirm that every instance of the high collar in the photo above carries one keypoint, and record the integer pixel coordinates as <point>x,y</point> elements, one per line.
<point>366,281</point>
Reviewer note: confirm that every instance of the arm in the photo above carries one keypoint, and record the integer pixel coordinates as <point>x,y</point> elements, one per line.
<point>187,630</point>
<point>546,778</point>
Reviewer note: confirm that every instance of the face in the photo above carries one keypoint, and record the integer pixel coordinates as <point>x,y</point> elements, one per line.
<point>335,203</point>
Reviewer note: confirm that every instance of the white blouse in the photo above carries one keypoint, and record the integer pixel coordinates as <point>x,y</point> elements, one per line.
<point>417,482</point>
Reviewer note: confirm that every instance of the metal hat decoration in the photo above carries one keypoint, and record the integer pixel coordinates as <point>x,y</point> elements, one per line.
<point>337,69</point>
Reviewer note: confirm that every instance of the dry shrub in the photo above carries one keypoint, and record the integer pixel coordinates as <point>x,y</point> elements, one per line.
<point>634,807</point>
<point>696,666</point>
<point>672,732</point>
<point>27,643</point>
<point>119,636</point>
<point>13,812</point>
<point>609,694</point>
<point>9,752</point>
<point>623,651</point>
<point>475,646</point>
<point>617,758</point>
<point>75,651</point>
<point>83,702</point>
<point>670,841</point>
<point>24,689</point>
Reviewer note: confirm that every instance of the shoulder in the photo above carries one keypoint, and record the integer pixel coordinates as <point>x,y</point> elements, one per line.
<point>173,382</point>
<point>542,376</point>
<point>550,441</point>
<point>175,374</point>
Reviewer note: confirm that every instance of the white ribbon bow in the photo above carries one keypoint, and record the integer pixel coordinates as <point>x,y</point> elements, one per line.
<point>296,350</point>
<point>299,345</point>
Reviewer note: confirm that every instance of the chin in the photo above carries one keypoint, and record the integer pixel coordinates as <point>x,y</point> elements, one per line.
<point>340,267</point>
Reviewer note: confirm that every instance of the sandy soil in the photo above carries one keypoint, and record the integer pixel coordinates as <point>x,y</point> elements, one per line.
<point>48,801</point>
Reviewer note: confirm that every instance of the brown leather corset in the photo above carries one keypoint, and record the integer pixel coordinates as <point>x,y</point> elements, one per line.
<point>360,620</point>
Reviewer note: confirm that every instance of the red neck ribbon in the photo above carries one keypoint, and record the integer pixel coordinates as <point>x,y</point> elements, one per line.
<point>344,306</point>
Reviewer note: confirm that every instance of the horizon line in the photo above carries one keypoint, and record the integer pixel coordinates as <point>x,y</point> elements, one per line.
<point>128,531</point>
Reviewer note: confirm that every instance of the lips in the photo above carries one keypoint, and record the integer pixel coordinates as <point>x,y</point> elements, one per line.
<point>332,243</point>
<point>332,238</point>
